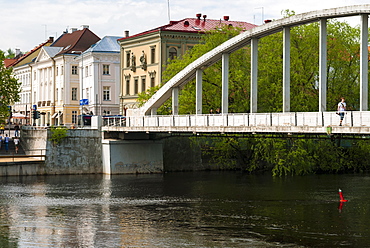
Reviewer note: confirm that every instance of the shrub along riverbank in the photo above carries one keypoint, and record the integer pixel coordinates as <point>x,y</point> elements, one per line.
<point>287,156</point>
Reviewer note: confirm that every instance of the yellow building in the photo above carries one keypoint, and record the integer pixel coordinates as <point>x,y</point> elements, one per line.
<point>144,55</point>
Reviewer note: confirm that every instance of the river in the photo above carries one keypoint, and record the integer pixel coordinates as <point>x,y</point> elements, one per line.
<point>187,209</point>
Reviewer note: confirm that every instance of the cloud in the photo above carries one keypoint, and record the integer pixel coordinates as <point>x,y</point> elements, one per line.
<point>26,24</point>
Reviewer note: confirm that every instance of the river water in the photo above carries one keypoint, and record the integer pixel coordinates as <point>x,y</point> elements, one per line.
<point>192,209</point>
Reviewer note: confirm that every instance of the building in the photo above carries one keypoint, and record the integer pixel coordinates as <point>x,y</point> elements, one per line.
<point>100,77</point>
<point>55,78</point>
<point>22,71</point>
<point>144,55</point>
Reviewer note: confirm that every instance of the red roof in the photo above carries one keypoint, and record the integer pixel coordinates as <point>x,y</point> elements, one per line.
<point>9,62</point>
<point>195,25</point>
<point>78,41</point>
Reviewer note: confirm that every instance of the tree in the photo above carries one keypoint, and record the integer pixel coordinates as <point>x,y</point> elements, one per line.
<point>9,88</point>
<point>342,69</point>
<point>342,72</point>
<point>238,77</point>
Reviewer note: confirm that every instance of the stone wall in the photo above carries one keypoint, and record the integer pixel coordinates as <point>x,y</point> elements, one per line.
<point>78,153</point>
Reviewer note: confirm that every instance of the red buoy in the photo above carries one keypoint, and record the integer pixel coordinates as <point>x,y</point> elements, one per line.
<point>341,198</point>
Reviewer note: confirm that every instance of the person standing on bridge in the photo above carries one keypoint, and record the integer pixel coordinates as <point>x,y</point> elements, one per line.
<point>16,144</point>
<point>6,141</point>
<point>341,109</point>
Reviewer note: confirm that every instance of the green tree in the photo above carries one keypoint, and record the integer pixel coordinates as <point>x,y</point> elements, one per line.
<point>9,54</point>
<point>342,69</point>
<point>238,76</point>
<point>9,88</point>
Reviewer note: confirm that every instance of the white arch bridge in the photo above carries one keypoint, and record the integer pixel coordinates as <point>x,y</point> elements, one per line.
<point>145,119</point>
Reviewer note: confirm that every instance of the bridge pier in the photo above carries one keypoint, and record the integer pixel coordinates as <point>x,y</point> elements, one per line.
<point>132,156</point>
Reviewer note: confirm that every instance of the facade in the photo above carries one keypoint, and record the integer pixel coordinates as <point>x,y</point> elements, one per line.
<point>22,72</point>
<point>52,83</point>
<point>144,55</point>
<point>100,77</point>
<point>56,76</point>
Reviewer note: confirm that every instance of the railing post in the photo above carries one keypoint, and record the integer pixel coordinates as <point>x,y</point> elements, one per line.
<point>322,119</point>
<point>295,119</point>
<point>270,119</point>
<point>351,118</point>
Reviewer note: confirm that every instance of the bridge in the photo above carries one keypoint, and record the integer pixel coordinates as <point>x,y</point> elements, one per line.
<point>145,119</point>
<point>128,143</point>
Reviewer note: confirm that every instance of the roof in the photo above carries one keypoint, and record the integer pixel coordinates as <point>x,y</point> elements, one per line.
<point>26,58</point>
<point>195,25</point>
<point>77,41</point>
<point>52,51</point>
<point>107,44</point>
<point>9,62</point>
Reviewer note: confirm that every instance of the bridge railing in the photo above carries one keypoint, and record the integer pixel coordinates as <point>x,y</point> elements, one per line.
<point>314,119</point>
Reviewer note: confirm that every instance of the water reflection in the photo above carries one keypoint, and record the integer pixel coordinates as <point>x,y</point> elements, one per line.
<point>203,209</point>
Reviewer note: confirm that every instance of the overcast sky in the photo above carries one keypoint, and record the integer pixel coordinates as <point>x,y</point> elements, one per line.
<point>25,24</point>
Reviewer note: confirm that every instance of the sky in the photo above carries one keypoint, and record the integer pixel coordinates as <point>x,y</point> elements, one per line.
<point>24,24</point>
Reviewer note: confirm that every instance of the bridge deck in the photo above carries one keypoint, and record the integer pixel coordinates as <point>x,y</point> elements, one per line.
<point>356,122</point>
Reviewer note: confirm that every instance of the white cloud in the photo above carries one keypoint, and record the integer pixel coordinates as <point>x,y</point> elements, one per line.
<point>25,24</point>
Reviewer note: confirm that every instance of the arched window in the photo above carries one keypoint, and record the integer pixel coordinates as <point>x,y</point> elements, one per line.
<point>172,53</point>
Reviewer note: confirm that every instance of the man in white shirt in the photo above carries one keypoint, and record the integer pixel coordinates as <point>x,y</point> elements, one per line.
<point>341,109</point>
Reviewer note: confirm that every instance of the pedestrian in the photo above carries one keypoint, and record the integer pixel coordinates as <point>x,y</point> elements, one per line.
<point>16,144</point>
<point>6,142</point>
<point>211,111</point>
<point>342,106</point>
<point>2,128</point>
<point>16,128</point>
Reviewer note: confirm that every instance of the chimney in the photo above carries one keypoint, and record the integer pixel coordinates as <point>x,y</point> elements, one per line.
<point>127,33</point>
<point>17,51</point>
<point>204,17</point>
<point>199,16</point>
<point>267,21</point>
<point>71,30</point>
<point>51,39</point>
<point>226,18</point>
<point>84,26</point>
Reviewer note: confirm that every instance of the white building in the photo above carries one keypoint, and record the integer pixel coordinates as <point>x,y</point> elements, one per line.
<point>100,77</point>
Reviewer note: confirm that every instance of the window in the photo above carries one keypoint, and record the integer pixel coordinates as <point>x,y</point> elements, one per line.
<point>136,86</point>
<point>57,71</point>
<point>86,71</point>
<point>172,53</point>
<point>143,84</point>
<point>56,94</point>
<point>74,94</point>
<point>61,70</point>
<point>128,58</point>
<point>106,93</point>
<point>74,117</point>
<point>152,54</point>
<point>106,70</point>
<point>87,93</point>
<point>152,82</point>
<point>128,87</point>
<point>74,70</point>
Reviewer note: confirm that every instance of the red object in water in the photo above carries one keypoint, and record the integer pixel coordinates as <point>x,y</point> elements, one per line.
<point>341,198</point>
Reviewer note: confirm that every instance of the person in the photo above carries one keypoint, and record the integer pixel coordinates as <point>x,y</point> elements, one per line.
<point>6,142</point>
<point>16,128</point>
<point>342,106</point>
<point>16,144</point>
<point>2,128</point>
